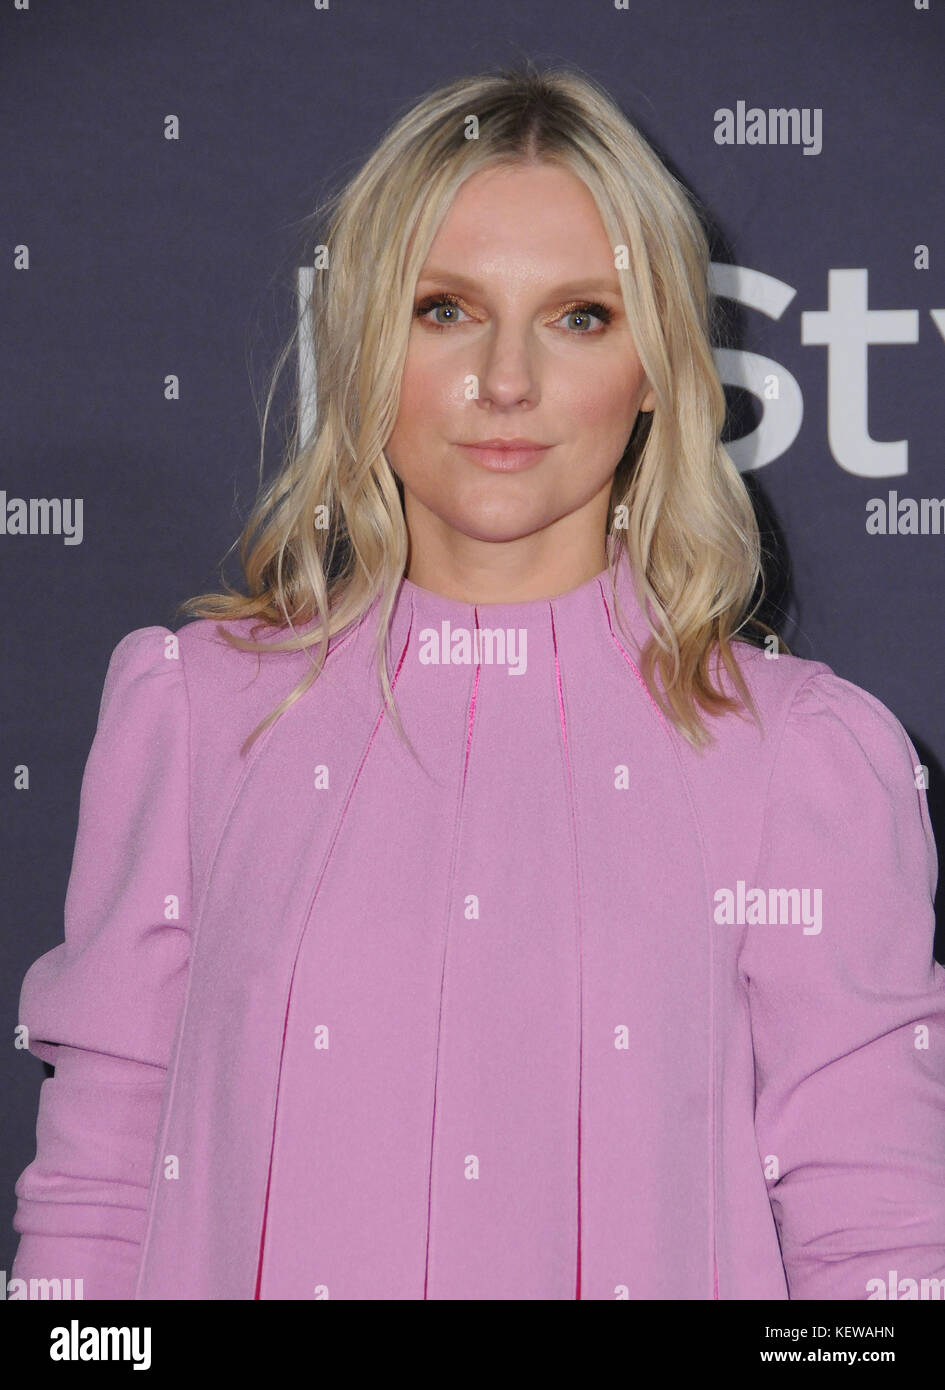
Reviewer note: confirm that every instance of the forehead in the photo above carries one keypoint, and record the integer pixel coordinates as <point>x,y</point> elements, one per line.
<point>522,220</point>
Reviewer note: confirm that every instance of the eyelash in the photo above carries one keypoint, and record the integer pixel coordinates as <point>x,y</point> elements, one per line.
<point>588,306</point>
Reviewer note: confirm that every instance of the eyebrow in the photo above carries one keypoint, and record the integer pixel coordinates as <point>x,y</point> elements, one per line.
<point>572,287</point>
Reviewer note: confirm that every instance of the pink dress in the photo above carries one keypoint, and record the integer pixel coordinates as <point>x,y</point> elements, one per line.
<point>497,1024</point>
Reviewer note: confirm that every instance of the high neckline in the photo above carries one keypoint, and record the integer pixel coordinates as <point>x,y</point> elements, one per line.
<point>588,605</point>
<point>439,606</point>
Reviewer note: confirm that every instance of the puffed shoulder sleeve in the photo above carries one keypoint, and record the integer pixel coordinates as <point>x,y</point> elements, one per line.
<point>103,1005</point>
<point>848,1005</point>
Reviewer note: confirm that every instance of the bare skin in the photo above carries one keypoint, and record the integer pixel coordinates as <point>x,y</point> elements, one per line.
<point>524,253</point>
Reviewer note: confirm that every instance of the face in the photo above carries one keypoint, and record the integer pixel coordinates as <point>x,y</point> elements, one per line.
<point>518,332</point>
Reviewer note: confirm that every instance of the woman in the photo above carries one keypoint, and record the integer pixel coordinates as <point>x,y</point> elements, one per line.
<point>556,934</point>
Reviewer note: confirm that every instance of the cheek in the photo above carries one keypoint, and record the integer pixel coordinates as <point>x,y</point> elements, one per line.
<point>601,397</point>
<point>430,387</point>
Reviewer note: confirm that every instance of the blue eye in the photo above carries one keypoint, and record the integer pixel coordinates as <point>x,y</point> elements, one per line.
<point>585,308</point>
<point>590,309</point>
<point>437,301</point>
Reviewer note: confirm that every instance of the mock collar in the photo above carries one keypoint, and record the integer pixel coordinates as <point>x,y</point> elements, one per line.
<point>590,606</point>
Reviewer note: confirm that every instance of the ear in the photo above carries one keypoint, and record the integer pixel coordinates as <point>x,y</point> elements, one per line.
<point>649,401</point>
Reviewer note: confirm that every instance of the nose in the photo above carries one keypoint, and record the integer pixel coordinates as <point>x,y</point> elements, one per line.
<point>507,370</point>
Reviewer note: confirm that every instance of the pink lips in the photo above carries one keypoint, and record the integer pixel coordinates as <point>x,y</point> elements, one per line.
<point>506,455</point>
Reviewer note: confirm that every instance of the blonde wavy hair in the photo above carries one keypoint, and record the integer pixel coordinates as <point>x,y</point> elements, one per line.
<point>678,504</point>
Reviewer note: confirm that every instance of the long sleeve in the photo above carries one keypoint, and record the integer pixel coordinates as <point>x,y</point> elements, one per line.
<point>848,1010</point>
<point>103,1005</point>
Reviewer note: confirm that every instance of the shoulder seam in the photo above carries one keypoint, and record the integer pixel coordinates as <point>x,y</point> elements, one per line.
<point>807,678</point>
<point>182,671</point>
